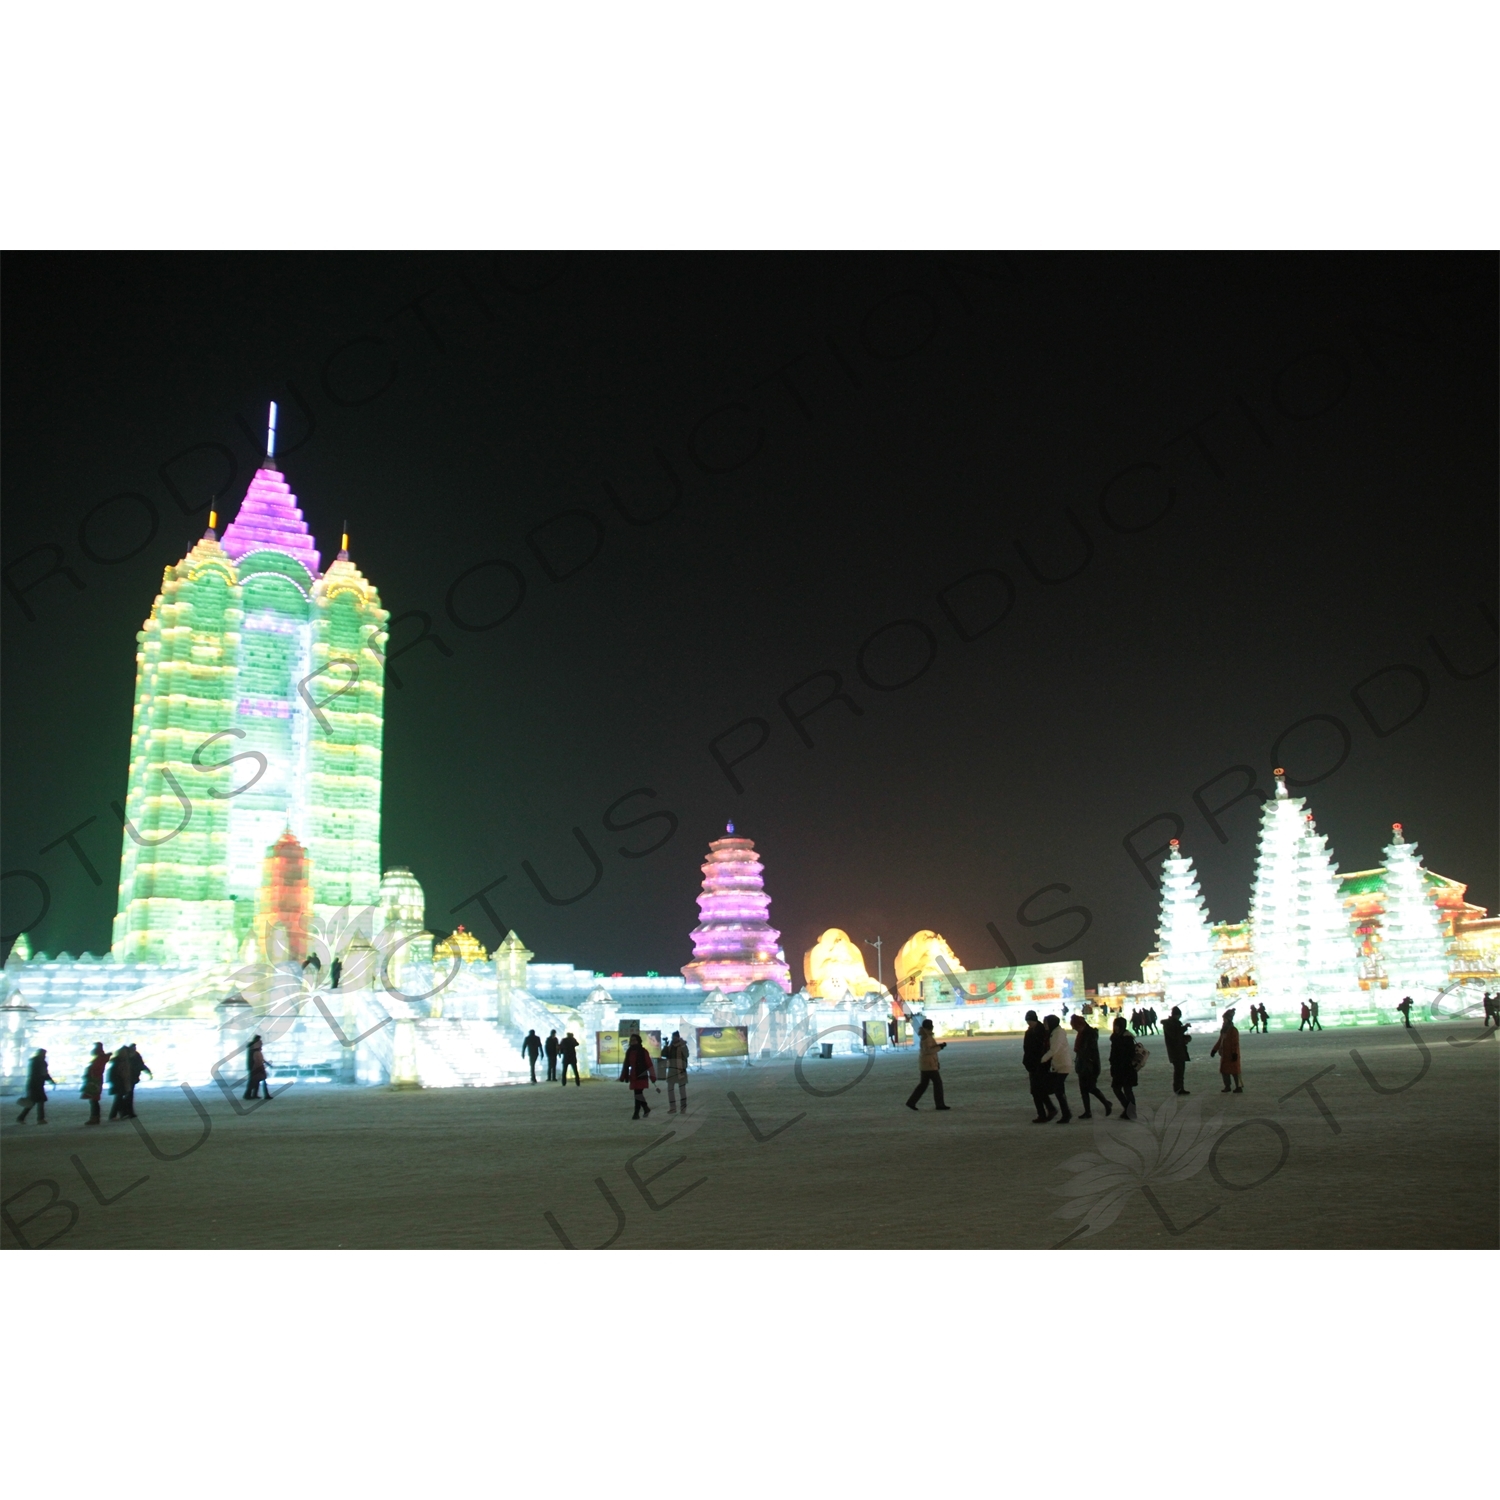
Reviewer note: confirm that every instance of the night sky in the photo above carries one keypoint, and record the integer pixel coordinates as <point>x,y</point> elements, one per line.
<point>1128,518</point>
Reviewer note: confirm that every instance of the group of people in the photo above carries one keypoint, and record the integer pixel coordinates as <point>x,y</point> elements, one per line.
<point>639,1071</point>
<point>563,1049</point>
<point>122,1071</point>
<point>1310,1016</point>
<point>1051,1056</point>
<point>1143,1021</point>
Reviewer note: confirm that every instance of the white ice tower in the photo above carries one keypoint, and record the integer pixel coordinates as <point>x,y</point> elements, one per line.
<point>1330,956</point>
<point>1276,934</point>
<point>1413,949</point>
<point>1189,960</point>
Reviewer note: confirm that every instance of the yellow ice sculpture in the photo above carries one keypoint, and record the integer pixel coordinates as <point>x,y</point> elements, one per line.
<point>918,959</point>
<point>834,965</point>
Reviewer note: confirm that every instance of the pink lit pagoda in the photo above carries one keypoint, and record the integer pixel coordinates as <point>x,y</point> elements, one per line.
<point>734,945</point>
<point>269,520</point>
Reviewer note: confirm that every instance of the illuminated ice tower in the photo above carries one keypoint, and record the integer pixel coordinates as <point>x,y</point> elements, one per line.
<point>1189,967</point>
<point>734,945</point>
<point>260,686</point>
<point>1413,950</point>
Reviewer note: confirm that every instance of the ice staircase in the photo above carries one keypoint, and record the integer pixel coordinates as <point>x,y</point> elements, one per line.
<point>467,1054</point>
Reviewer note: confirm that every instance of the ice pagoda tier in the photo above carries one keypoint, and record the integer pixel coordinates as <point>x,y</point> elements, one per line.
<point>269,519</point>
<point>734,945</point>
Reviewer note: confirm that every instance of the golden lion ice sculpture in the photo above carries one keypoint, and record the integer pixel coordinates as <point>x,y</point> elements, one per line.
<point>834,967</point>
<point>918,959</point>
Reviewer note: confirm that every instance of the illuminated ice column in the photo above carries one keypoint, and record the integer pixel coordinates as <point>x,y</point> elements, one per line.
<point>284,917</point>
<point>1189,960</point>
<point>346,694</point>
<point>174,902</point>
<point>734,943</point>
<point>1413,947</point>
<point>1276,937</point>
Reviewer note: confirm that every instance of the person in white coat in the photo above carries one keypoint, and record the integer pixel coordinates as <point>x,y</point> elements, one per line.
<point>1060,1060</point>
<point>927,1061</point>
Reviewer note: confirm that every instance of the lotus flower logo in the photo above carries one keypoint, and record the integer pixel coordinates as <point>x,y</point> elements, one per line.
<point>1168,1145</point>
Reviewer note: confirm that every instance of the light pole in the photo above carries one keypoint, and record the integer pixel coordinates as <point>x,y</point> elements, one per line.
<point>876,944</point>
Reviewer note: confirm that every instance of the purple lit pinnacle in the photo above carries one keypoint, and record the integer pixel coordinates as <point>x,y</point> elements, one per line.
<point>269,519</point>
<point>734,945</point>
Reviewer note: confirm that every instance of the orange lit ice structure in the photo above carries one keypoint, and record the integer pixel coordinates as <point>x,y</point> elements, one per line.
<point>924,955</point>
<point>460,943</point>
<point>284,915</point>
<point>834,967</point>
<point>734,945</point>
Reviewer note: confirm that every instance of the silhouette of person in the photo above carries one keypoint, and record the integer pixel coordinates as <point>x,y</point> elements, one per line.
<point>1123,1076</point>
<point>639,1072</point>
<point>1227,1050</point>
<point>1177,1040</point>
<point>1086,1066</point>
<point>119,1084</point>
<point>568,1050</point>
<point>37,1079</point>
<point>531,1049</point>
<point>1034,1059</point>
<point>137,1067</point>
<point>1306,1015</point>
<point>1405,1008</point>
<point>255,1067</point>
<point>1491,1009</point>
<point>1312,1011</point>
<point>93,1081</point>
<point>893,1029</point>
<point>550,1046</point>
<point>676,1058</point>
<point>928,1048</point>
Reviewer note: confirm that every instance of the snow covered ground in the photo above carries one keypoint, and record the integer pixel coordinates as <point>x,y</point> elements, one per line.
<point>1397,1149</point>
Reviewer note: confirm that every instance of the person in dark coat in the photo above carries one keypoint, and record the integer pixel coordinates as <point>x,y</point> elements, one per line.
<point>1086,1065</point>
<point>255,1066</point>
<point>893,1027</point>
<point>1312,1007</point>
<point>1405,1008</point>
<point>93,1081</point>
<point>1306,1015</point>
<point>1034,1048</point>
<point>1177,1039</point>
<point>1227,1050</point>
<point>1122,1071</point>
<point>120,1084</point>
<point>531,1049</point>
<point>639,1072</point>
<point>567,1049</point>
<point>137,1067</point>
<point>37,1079</point>
<point>551,1049</point>
<point>1491,1011</point>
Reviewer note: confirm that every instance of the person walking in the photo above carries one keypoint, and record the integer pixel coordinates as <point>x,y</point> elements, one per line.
<point>35,1097</point>
<point>119,1084</point>
<point>1177,1039</point>
<point>93,1081</point>
<point>568,1050</point>
<point>255,1068</point>
<point>928,1048</point>
<point>137,1067</point>
<point>551,1049</point>
<point>1059,1065</point>
<point>1306,1015</point>
<point>1227,1050</point>
<point>638,1071</point>
<point>1491,1010</point>
<point>1086,1066</point>
<point>1034,1060</point>
<point>1312,1007</point>
<point>893,1029</point>
<point>1123,1074</point>
<point>1405,1008</point>
<point>531,1049</point>
<point>675,1056</point>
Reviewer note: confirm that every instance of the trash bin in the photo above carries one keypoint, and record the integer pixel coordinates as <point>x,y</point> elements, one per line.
<point>827,1049</point>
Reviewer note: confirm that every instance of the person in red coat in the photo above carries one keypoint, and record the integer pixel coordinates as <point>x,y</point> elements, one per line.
<point>93,1081</point>
<point>1227,1050</point>
<point>639,1072</point>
